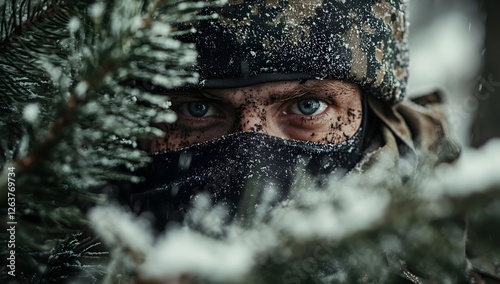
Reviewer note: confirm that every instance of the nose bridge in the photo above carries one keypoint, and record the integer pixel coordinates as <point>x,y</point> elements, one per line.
<point>251,118</point>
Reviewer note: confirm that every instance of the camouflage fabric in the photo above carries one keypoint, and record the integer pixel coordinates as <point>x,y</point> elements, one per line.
<point>406,133</point>
<point>256,41</point>
<point>420,125</point>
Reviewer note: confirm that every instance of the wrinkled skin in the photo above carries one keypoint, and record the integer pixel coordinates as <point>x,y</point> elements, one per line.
<point>321,111</point>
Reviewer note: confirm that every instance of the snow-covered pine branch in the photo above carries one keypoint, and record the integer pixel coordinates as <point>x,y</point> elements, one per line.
<point>350,233</point>
<point>71,120</point>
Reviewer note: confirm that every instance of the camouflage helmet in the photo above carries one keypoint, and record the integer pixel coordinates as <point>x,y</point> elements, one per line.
<point>257,41</point>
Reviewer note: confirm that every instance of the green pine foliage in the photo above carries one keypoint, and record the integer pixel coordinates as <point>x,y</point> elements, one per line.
<point>363,229</point>
<point>70,121</point>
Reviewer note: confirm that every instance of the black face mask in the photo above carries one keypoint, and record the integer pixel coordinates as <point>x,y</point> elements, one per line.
<point>236,169</point>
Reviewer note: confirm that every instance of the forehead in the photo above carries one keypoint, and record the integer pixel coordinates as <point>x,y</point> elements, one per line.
<point>292,88</point>
<point>260,89</point>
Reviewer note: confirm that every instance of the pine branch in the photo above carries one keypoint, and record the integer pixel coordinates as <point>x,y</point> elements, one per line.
<point>365,229</point>
<point>29,30</point>
<point>64,119</point>
<point>72,69</point>
<point>25,16</point>
<point>77,257</point>
<point>76,100</point>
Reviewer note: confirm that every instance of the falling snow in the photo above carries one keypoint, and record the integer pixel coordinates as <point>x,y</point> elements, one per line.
<point>31,112</point>
<point>74,24</point>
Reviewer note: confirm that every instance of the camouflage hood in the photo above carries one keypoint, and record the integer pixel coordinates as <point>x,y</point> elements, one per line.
<point>256,41</point>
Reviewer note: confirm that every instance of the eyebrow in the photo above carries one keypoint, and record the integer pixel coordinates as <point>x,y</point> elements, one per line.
<point>273,97</point>
<point>304,88</point>
<point>297,91</point>
<point>208,95</point>
<point>194,93</point>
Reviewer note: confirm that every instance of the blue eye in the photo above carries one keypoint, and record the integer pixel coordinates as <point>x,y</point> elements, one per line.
<point>308,107</point>
<point>197,109</point>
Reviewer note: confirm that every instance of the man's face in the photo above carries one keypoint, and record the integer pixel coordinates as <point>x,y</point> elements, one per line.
<point>321,111</point>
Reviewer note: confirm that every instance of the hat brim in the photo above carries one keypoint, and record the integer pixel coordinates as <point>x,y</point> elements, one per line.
<point>229,83</point>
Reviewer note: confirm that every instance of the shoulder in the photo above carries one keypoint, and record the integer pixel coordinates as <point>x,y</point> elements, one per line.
<point>419,125</point>
<point>407,133</point>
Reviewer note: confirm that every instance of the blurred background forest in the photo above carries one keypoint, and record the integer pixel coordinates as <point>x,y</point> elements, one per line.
<point>455,47</point>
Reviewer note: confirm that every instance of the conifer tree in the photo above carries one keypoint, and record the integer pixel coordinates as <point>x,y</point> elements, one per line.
<point>68,121</point>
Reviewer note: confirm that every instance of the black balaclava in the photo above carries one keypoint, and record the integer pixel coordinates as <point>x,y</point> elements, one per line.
<point>236,169</point>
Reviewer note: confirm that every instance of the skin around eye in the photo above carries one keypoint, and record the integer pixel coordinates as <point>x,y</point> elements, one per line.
<point>319,117</point>
<point>322,111</point>
<point>309,114</point>
<point>201,116</point>
<point>198,120</point>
